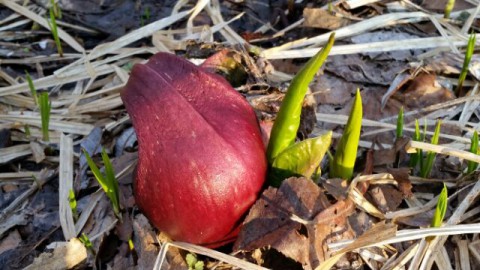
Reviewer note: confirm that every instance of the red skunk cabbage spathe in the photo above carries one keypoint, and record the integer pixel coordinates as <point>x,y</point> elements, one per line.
<point>201,158</point>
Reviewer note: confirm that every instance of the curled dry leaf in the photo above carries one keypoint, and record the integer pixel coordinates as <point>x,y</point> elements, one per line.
<point>320,18</point>
<point>297,220</point>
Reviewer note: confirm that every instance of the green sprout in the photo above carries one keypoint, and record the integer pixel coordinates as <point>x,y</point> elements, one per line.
<point>73,204</point>
<point>466,63</point>
<point>52,23</point>
<point>108,182</point>
<point>193,262</point>
<point>415,158</point>
<point>145,16</point>
<point>427,164</point>
<point>472,165</point>
<point>346,153</point>
<point>45,108</point>
<point>441,208</point>
<point>131,246</point>
<point>399,133</point>
<point>448,9</point>
<point>400,122</point>
<point>56,9</point>
<point>300,159</point>
<point>87,243</point>
<point>284,130</point>
<point>33,90</point>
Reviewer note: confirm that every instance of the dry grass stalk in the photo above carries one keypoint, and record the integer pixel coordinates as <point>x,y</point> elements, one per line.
<point>206,252</point>
<point>65,180</point>
<point>43,22</point>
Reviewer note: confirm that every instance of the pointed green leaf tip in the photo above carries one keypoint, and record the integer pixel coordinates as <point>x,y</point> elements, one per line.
<point>284,130</point>
<point>441,208</point>
<point>108,181</point>
<point>472,165</point>
<point>400,122</point>
<point>346,154</point>
<point>427,165</point>
<point>300,159</point>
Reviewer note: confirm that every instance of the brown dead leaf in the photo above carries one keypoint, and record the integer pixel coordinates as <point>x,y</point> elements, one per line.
<point>296,220</point>
<point>358,69</point>
<point>11,241</point>
<point>329,89</point>
<point>320,18</point>
<point>144,241</point>
<point>386,197</point>
<point>425,90</point>
<point>439,5</point>
<point>401,175</point>
<point>63,257</point>
<point>389,156</point>
<point>337,187</point>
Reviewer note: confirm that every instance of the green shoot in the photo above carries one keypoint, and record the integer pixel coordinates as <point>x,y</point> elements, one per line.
<point>56,10</point>
<point>346,152</point>
<point>145,16</point>
<point>45,108</point>
<point>33,91</point>
<point>300,159</point>
<point>472,165</point>
<point>73,204</point>
<point>415,158</point>
<point>466,63</point>
<point>441,208</point>
<point>399,133</point>
<point>52,23</point>
<point>87,243</point>
<point>131,246</point>
<point>448,9</point>
<point>284,130</point>
<point>108,182</point>
<point>427,165</point>
<point>193,262</point>
<point>330,7</point>
<point>400,123</point>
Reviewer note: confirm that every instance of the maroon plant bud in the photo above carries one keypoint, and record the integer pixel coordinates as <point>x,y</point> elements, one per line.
<point>201,158</point>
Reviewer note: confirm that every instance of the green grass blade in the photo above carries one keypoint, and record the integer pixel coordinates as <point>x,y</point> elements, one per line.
<point>108,182</point>
<point>400,122</point>
<point>441,208</point>
<point>112,183</point>
<point>96,171</point>
<point>32,88</point>
<point>284,130</point>
<point>430,158</point>
<point>300,159</point>
<point>54,28</point>
<point>87,243</point>
<point>56,9</point>
<point>472,165</point>
<point>45,108</point>
<point>414,158</point>
<point>346,153</point>
<point>448,8</point>
<point>466,63</point>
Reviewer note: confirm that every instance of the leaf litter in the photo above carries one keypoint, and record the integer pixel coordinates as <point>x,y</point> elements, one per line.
<point>400,45</point>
